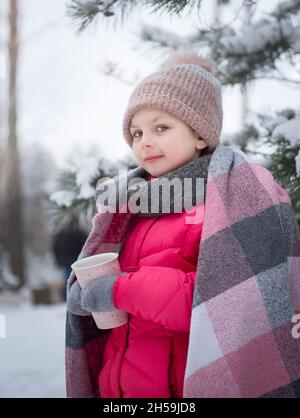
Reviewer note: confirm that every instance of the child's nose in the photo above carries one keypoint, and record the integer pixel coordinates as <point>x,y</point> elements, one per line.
<point>146,140</point>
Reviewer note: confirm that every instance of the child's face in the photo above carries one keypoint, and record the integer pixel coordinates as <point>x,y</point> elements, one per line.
<point>158,133</point>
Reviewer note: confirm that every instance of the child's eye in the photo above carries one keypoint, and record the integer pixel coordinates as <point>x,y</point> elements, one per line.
<point>159,128</point>
<point>164,127</point>
<point>134,134</point>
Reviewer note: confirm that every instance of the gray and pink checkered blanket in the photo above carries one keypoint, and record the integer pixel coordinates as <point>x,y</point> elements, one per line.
<point>247,289</point>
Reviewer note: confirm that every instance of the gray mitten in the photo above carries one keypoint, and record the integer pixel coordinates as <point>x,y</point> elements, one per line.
<point>74,301</point>
<point>97,296</point>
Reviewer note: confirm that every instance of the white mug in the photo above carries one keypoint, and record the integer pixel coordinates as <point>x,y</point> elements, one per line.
<point>95,267</point>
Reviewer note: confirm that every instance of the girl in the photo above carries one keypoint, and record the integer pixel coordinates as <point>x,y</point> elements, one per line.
<point>210,290</point>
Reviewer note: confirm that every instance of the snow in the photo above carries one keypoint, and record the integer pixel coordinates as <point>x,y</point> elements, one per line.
<point>275,122</point>
<point>258,36</point>
<point>85,175</point>
<point>290,130</point>
<point>32,354</point>
<point>158,35</point>
<point>86,191</point>
<point>255,37</point>
<point>286,6</point>
<point>86,170</point>
<point>63,198</point>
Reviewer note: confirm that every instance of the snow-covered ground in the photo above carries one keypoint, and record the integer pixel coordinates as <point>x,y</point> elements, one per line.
<point>32,354</point>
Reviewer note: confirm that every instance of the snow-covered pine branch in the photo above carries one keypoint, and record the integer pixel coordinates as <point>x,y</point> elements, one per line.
<point>162,38</point>
<point>76,186</point>
<point>247,53</point>
<point>274,141</point>
<point>283,134</point>
<point>84,12</point>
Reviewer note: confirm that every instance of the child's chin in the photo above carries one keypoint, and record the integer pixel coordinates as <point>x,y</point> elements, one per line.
<point>158,173</point>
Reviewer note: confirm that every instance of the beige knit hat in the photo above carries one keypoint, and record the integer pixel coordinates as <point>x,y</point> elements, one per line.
<point>185,87</point>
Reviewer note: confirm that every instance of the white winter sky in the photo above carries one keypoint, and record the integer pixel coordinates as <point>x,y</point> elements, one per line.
<point>65,102</point>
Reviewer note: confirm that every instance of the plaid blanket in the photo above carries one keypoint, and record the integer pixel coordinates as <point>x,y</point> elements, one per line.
<point>247,289</point>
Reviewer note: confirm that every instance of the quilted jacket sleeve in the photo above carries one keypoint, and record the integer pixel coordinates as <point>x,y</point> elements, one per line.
<point>160,294</point>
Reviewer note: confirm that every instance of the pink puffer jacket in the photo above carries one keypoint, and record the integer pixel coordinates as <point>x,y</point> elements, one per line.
<point>147,356</point>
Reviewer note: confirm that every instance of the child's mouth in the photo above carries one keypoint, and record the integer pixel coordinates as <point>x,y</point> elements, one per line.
<point>150,160</point>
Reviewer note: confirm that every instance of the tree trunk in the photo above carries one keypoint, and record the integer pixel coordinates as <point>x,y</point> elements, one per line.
<point>14,223</point>
<point>245,94</point>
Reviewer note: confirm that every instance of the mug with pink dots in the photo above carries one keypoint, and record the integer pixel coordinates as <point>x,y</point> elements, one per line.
<point>94,267</point>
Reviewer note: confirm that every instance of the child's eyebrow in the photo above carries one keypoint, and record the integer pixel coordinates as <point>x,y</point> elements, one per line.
<point>151,121</point>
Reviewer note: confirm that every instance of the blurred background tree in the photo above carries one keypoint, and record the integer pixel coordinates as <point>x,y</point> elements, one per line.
<point>12,205</point>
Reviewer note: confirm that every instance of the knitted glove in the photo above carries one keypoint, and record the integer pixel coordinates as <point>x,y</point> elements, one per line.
<point>97,296</point>
<point>74,301</point>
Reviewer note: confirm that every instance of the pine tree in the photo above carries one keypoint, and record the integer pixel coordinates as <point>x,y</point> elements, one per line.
<point>74,200</point>
<point>85,12</point>
<point>266,48</point>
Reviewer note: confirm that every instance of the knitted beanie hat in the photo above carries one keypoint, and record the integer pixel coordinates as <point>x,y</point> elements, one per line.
<point>185,87</point>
